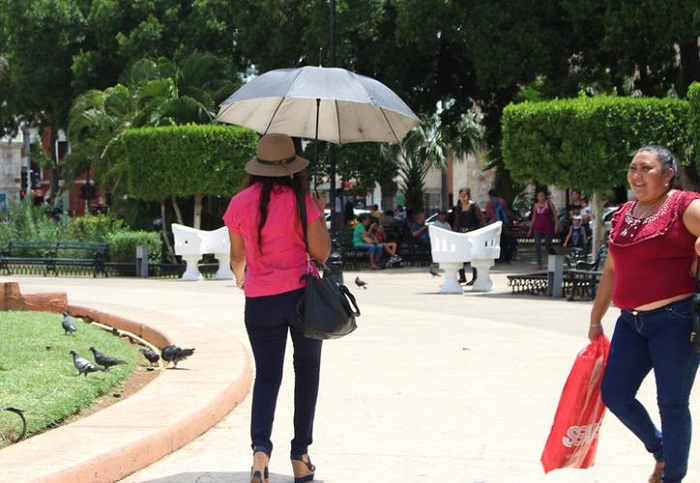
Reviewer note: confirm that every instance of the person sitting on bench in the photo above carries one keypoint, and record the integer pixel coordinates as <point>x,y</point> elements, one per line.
<point>362,240</point>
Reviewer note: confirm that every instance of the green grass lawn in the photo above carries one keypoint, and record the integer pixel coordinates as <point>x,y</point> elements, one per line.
<point>37,373</point>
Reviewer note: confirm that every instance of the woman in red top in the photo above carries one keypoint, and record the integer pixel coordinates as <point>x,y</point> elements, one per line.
<point>653,240</point>
<point>268,258</point>
<point>544,224</point>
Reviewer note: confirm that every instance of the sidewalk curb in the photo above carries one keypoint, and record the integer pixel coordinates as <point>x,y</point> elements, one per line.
<point>168,413</point>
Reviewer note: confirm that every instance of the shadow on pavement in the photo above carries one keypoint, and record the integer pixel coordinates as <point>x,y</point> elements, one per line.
<point>219,477</point>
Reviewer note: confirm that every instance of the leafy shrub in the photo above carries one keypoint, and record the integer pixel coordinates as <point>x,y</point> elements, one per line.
<point>97,227</point>
<point>31,223</point>
<point>122,245</point>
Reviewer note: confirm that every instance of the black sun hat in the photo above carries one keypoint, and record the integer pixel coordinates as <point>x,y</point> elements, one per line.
<point>276,157</point>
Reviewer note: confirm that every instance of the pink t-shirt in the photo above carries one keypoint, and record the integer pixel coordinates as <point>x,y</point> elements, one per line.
<point>276,264</point>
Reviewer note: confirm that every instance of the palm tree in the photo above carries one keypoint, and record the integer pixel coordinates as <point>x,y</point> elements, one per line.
<point>436,139</point>
<point>153,94</point>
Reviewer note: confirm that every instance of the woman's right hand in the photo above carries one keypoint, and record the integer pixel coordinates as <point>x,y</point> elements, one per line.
<point>319,199</point>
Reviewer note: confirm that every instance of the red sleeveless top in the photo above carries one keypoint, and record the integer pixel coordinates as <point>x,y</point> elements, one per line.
<point>652,255</point>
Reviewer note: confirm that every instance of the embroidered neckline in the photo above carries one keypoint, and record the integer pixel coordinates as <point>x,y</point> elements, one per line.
<point>632,226</point>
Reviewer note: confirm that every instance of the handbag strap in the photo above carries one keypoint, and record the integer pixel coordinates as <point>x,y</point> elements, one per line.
<point>352,302</point>
<point>697,276</point>
<point>301,204</point>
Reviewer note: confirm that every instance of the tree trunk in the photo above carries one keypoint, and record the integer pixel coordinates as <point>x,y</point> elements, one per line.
<point>197,222</point>
<point>597,227</point>
<point>444,202</point>
<point>164,233</point>
<point>178,212</point>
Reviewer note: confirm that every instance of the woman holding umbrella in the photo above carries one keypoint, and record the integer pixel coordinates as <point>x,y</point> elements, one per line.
<point>268,259</point>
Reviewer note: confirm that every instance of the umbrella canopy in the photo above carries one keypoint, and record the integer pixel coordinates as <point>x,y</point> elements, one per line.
<point>329,104</point>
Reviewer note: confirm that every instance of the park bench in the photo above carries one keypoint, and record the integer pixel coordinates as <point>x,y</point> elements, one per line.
<point>90,254</point>
<point>54,254</point>
<point>30,253</point>
<point>451,249</point>
<point>579,280</point>
<point>191,244</point>
<point>584,275</point>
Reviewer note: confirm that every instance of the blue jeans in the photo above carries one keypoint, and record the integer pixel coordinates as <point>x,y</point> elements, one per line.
<point>660,340</point>
<point>374,249</point>
<point>267,320</point>
<point>538,244</point>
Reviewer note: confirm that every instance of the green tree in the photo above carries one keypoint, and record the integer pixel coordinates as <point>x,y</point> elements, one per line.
<point>41,37</point>
<point>186,161</point>
<point>156,94</point>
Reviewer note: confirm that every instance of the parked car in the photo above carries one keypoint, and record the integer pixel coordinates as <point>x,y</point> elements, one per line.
<point>607,216</point>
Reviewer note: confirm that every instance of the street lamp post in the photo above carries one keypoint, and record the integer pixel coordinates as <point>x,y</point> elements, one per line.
<point>335,260</point>
<point>27,145</point>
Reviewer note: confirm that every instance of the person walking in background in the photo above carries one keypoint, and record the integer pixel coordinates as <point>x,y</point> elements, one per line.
<point>544,224</point>
<point>497,210</point>
<point>649,275</point>
<point>467,216</point>
<point>268,259</point>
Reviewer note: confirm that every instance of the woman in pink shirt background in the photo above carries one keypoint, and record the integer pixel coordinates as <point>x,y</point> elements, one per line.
<point>268,259</point>
<point>649,275</point>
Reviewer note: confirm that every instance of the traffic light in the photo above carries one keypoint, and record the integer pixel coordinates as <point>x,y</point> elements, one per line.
<point>23,183</point>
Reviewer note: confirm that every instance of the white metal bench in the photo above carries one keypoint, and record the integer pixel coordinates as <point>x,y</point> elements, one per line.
<point>191,244</point>
<point>450,250</point>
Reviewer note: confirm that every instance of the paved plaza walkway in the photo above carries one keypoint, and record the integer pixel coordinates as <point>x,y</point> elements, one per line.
<point>431,387</point>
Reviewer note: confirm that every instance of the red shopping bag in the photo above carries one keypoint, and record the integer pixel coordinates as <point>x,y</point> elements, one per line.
<point>573,440</point>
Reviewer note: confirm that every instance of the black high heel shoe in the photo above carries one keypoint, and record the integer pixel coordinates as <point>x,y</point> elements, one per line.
<point>256,476</point>
<point>303,469</point>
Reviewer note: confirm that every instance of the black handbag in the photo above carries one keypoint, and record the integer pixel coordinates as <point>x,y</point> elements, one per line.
<point>327,309</point>
<point>695,334</point>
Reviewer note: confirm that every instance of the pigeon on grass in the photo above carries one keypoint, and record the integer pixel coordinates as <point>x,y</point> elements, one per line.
<point>84,366</point>
<point>68,324</point>
<point>360,283</point>
<point>175,354</point>
<point>104,360</point>
<point>151,356</point>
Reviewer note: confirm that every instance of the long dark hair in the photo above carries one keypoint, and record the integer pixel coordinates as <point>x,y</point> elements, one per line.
<point>298,184</point>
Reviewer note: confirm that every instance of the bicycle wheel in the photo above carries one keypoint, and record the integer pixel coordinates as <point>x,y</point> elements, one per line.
<point>13,426</point>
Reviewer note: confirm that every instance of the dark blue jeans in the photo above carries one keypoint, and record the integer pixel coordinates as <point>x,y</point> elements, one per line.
<point>268,320</point>
<point>659,340</point>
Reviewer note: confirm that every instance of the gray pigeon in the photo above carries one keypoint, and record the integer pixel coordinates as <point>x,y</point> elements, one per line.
<point>434,273</point>
<point>68,324</point>
<point>175,354</point>
<point>360,283</point>
<point>152,357</point>
<point>84,366</point>
<point>104,360</point>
